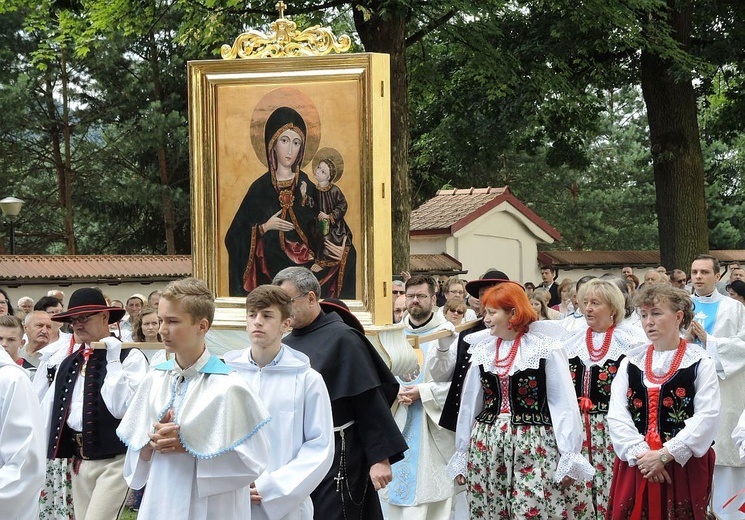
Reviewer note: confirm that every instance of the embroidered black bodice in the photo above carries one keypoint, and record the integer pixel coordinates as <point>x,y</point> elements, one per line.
<point>528,402</point>
<point>600,379</point>
<point>676,401</point>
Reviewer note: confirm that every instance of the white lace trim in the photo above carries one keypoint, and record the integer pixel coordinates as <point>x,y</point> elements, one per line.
<point>458,465</point>
<point>662,359</point>
<point>621,344</point>
<point>680,452</point>
<point>533,348</point>
<point>636,451</point>
<point>574,465</point>
<point>477,337</point>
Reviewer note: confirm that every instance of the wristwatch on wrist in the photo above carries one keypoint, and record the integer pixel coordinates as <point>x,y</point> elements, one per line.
<point>664,457</point>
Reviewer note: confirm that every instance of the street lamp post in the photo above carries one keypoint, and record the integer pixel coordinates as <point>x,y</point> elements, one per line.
<point>11,207</point>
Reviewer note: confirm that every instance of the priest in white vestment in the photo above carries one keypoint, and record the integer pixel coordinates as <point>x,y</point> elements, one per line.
<point>421,488</point>
<point>719,326</point>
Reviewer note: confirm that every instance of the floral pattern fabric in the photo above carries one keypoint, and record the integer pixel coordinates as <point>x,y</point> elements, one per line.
<point>674,404</point>
<point>55,502</point>
<point>511,475</point>
<point>601,456</point>
<point>600,379</point>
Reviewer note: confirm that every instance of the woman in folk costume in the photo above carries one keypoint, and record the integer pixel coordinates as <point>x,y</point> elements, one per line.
<point>663,416</point>
<point>519,433</point>
<point>594,356</point>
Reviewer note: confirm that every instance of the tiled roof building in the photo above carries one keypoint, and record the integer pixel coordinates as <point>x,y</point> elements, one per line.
<point>480,228</point>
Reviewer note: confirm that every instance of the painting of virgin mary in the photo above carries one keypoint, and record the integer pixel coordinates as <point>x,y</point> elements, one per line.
<point>277,224</point>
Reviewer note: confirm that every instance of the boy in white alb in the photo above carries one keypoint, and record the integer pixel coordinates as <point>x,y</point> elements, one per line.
<point>301,429</point>
<point>21,443</point>
<point>208,442</point>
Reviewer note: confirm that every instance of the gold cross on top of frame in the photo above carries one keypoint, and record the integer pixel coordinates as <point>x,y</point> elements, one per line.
<point>281,6</point>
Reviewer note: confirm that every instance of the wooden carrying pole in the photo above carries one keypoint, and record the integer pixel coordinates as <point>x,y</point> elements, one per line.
<point>416,341</point>
<point>129,344</point>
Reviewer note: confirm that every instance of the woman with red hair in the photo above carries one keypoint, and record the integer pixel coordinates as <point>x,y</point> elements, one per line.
<point>519,434</point>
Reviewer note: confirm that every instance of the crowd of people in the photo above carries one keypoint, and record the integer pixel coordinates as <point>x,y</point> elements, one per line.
<point>627,401</point>
<point>623,403</point>
<point>291,427</point>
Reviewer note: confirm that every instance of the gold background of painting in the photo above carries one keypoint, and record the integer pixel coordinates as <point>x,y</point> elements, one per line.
<point>351,95</point>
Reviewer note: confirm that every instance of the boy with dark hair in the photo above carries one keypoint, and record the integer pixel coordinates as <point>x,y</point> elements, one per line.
<point>362,390</point>
<point>208,443</point>
<point>548,275</point>
<point>302,428</point>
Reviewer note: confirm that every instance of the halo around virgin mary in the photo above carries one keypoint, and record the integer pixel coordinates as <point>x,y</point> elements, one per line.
<point>276,225</point>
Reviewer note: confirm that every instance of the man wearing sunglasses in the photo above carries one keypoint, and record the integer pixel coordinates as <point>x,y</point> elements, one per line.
<point>398,290</point>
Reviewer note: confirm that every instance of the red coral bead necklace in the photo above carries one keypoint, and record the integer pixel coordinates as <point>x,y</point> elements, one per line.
<point>504,365</point>
<point>598,354</point>
<point>677,360</point>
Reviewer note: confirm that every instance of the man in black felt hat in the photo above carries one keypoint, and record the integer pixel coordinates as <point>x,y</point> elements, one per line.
<point>91,390</point>
<point>451,363</point>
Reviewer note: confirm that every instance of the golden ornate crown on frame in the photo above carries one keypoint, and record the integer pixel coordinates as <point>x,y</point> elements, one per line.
<point>285,40</point>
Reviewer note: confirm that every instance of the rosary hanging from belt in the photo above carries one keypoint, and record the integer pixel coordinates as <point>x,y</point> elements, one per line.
<point>342,480</point>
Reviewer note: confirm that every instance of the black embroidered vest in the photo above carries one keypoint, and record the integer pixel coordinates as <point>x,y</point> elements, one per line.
<point>601,378</point>
<point>676,401</point>
<point>99,426</point>
<point>528,400</point>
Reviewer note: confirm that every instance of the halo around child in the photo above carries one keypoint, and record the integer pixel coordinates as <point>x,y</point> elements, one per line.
<point>334,156</point>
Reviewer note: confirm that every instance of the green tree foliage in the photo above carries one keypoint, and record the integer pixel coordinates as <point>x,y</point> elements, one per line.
<point>723,142</point>
<point>542,95</point>
<point>87,111</point>
<point>533,79</point>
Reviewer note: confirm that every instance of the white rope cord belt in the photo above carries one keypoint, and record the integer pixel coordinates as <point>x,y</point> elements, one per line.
<point>343,426</point>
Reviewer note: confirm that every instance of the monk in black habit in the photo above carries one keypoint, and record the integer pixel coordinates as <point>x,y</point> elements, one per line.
<point>362,390</point>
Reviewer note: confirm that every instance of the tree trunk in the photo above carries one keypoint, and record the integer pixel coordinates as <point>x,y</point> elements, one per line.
<point>60,142</point>
<point>676,150</point>
<point>166,202</point>
<point>388,35</point>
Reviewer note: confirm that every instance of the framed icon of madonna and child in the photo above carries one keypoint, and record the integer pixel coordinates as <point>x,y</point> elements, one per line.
<point>290,164</point>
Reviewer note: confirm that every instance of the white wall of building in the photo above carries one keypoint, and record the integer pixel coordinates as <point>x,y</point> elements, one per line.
<point>502,238</point>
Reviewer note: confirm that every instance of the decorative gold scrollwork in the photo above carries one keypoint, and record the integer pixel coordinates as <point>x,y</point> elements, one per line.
<point>285,40</point>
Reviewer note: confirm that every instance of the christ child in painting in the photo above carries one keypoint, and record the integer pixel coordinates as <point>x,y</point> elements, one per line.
<point>332,206</point>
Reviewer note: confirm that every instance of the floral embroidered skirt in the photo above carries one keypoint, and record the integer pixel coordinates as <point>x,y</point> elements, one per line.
<point>686,498</point>
<point>511,475</point>
<point>56,495</point>
<point>602,458</point>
